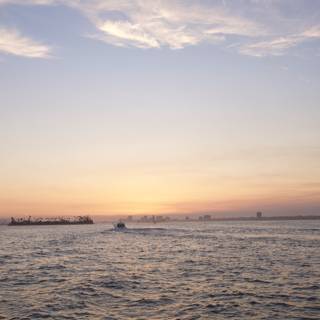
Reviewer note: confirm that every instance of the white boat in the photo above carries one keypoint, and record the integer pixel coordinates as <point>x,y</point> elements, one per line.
<point>119,226</point>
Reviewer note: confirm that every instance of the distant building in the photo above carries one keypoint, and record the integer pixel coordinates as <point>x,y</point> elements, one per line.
<point>259,215</point>
<point>144,219</point>
<point>206,217</point>
<point>161,218</point>
<point>154,219</point>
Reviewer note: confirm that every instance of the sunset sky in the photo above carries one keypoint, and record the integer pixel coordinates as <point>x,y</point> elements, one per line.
<point>137,107</point>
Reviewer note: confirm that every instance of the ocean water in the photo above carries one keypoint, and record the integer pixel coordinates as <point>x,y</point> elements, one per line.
<point>214,270</point>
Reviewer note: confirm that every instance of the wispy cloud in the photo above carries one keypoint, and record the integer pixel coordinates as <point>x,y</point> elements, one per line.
<point>178,24</point>
<point>274,47</point>
<point>173,24</point>
<point>313,32</point>
<point>12,42</point>
<point>28,2</point>
<point>278,46</point>
<point>252,27</point>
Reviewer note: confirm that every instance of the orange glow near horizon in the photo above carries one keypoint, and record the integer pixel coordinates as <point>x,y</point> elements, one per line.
<point>173,191</point>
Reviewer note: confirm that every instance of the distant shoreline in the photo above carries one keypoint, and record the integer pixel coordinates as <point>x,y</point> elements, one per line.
<point>212,219</point>
<point>50,221</point>
<point>262,218</point>
<point>192,219</point>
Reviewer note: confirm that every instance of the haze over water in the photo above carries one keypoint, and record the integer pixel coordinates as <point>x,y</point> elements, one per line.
<point>215,270</point>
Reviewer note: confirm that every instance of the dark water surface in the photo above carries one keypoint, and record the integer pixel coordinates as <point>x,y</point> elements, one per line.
<point>216,270</point>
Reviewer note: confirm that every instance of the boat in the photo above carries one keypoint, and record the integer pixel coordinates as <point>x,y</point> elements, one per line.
<point>119,226</point>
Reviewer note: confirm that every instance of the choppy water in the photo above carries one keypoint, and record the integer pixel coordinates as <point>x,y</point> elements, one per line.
<point>239,270</point>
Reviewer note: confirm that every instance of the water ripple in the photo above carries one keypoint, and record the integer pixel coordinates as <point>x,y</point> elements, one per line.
<point>231,270</point>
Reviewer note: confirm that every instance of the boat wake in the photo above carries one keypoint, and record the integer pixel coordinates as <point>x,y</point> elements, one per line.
<point>141,231</point>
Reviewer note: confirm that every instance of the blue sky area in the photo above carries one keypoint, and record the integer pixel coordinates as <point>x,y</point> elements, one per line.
<point>116,107</point>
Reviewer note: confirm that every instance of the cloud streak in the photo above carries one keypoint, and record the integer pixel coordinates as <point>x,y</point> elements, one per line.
<point>12,42</point>
<point>171,24</point>
<point>254,28</point>
<point>273,47</point>
<point>280,45</point>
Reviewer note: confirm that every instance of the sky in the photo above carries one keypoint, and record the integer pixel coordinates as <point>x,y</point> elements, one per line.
<point>159,107</point>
